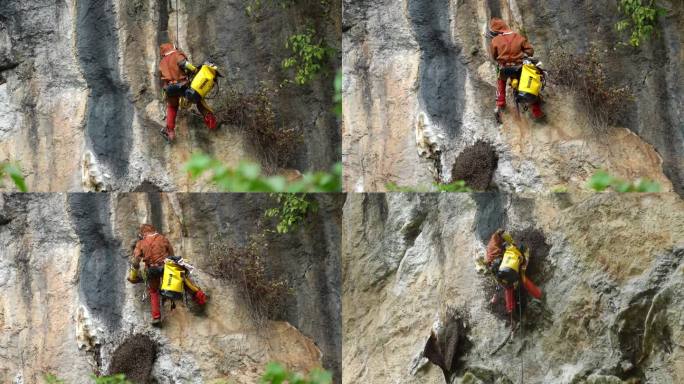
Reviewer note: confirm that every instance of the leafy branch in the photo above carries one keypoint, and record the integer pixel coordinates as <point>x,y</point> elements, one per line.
<point>337,100</point>
<point>113,379</point>
<point>277,374</point>
<point>309,55</point>
<point>291,210</point>
<point>641,19</point>
<point>247,177</point>
<point>456,186</point>
<point>12,171</point>
<point>601,181</point>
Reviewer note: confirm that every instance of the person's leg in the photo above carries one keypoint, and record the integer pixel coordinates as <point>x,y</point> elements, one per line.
<point>501,91</point>
<point>209,118</point>
<point>155,297</point>
<point>171,111</point>
<point>510,298</point>
<point>531,288</point>
<point>537,112</point>
<point>197,293</point>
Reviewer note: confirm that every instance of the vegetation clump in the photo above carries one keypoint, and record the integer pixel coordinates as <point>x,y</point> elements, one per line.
<point>584,75</point>
<point>641,19</point>
<point>245,267</point>
<point>12,171</point>
<point>247,177</point>
<point>276,373</point>
<point>291,211</point>
<point>309,55</point>
<point>253,114</point>
<point>455,186</point>
<point>602,180</point>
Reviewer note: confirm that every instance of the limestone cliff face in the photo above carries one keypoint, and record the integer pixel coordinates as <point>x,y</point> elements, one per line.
<point>419,89</point>
<point>67,309</point>
<point>610,268</point>
<point>80,104</point>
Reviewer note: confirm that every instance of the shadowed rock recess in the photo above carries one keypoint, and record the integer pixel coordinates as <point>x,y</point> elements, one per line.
<point>80,99</point>
<point>611,268</point>
<point>419,90</point>
<point>66,308</point>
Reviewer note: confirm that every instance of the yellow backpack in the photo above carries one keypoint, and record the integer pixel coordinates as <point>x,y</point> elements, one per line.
<point>204,80</point>
<point>509,270</point>
<point>172,280</point>
<point>530,80</point>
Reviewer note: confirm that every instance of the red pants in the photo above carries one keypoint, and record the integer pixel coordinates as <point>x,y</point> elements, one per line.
<point>172,110</point>
<point>501,97</point>
<point>509,295</point>
<point>155,296</point>
<point>530,287</point>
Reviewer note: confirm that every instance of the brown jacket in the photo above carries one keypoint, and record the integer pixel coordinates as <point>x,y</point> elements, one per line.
<point>495,247</point>
<point>152,249</point>
<point>508,48</point>
<point>169,69</point>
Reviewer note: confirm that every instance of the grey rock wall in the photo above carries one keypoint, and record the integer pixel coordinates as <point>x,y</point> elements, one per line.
<point>67,309</point>
<point>419,88</point>
<point>80,105</point>
<point>610,268</point>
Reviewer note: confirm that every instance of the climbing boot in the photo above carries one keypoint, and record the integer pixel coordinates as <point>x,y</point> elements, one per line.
<point>210,121</point>
<point>537,113</point>
<point>498,112</point>
<point>169,135</point>
<point>156,321</point>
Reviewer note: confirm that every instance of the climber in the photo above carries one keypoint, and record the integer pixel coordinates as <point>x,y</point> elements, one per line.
<point>508,49</point>
<point>508,263</point>
<point>174,69</point>
<point>153,249</point>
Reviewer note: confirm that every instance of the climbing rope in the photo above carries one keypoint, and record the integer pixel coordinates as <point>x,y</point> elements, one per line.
<point>522,330</point>
<point>177,10</point>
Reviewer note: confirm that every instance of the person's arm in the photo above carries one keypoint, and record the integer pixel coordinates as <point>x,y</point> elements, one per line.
<point>137,255</point>
<point>527,48</point>
<point>186,65</point>
<point>494,247</point>
<point>493,51</point>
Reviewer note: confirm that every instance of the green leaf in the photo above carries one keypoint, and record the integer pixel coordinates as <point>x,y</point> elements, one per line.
<point>250,171</point>
<point>275,374</point>
<point>198,164</point>
<point>52,379</point>
<point>320,376</point>
<point>16,175</point>
<point>645,185</point>
<point>622,186</point>
<point>600,181</point>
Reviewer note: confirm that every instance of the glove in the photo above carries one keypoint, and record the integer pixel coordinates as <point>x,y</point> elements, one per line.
<point>133,276</point>
<point>200,297</point>
<point>507,238</point>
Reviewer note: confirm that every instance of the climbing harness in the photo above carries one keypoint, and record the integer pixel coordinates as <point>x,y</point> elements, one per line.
<point>176,281</point>
<point>522,331</point>
<point>527,87</point>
